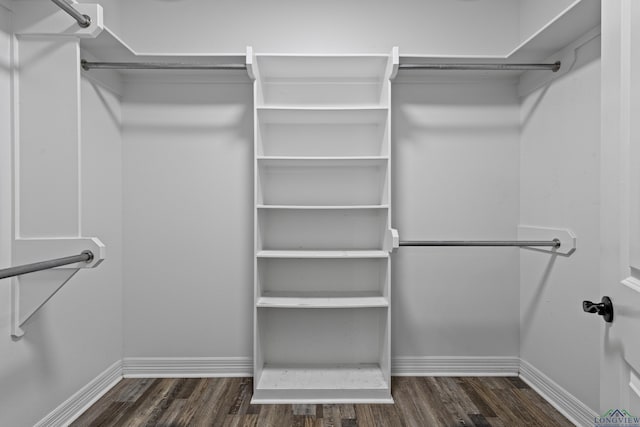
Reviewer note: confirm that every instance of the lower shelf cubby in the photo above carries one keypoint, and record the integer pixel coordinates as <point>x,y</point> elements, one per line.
<point>364,383</point>
<point>319,282</point>
<point>350,229</point>
<point>322,354</point>
<point>334,182</point>
<point>309,132</point>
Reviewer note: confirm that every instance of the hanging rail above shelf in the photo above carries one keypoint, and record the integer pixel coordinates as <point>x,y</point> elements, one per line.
<point>88,65</point>
<point>83,20</point>
<point>555,243</point>
<point>487,67</point>
<point>85,256</point>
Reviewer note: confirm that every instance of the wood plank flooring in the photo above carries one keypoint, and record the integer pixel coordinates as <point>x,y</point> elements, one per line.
<point>419,401</point>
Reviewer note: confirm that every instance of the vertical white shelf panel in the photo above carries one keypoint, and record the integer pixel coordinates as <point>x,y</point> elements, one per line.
<point>322,214</point>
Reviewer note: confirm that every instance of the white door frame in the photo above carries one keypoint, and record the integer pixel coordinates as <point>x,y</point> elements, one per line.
<point>620,203</point>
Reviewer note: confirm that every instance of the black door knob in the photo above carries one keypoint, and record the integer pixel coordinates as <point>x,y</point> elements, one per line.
<point>604,308</point>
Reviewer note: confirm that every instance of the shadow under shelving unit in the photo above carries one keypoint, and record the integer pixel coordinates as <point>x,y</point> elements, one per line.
<point>322,215</point>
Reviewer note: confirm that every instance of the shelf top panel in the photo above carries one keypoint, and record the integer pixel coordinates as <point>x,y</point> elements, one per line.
<point>575,21</point>
<point>108,47</point>
<point>282,67</point>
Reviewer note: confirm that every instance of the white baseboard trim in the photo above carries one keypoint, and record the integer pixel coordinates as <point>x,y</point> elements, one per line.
<point>197,367</point>
<point>567,404</point>
<point>186,367</point>
<point>74,406</point>
<point>455,366</point>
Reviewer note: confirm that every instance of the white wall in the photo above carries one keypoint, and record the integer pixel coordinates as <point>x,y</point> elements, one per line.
<point>455,177</point>
<point>560,188</point>
<point>188,203</point>
<point>188,213</point>
<point>78,333</point>
<point>417,26</point>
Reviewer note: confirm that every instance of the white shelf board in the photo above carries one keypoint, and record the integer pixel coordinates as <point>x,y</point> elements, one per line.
<point>336,107</point>
<point>321,66</point>
<point>325,161</point>
<point>577,19</point>
<point>321,158</point>
<point>322,377</point>
<point>322,254</point>
<point>573,22</point>
<point>335,207</point>
<point>108,47</point>
<point>308,55</point>
<point>362,299</point>
<point>338,114</point>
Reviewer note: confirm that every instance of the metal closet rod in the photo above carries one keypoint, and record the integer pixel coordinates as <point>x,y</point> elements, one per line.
<point>86,256</point>
<point>555,243</point>
<point>83,20</point>
<point>88,65</point>
<point>500,67</point>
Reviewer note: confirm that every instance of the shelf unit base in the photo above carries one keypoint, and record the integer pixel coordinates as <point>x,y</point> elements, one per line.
<point>322,384</point>
<point>295,398</point>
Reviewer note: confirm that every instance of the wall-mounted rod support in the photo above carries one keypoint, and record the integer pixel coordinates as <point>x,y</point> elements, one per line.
<point>555,243</point>
<point>83,20</point>
<point>86,256</point>
<point>499,67</point>
<point>87,65</point>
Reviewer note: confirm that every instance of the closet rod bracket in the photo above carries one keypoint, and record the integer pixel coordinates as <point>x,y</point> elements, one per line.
<point>30,292</point>
<point>83,20</point>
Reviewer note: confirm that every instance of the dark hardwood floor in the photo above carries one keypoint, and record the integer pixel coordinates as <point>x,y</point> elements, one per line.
<point>419,401</point>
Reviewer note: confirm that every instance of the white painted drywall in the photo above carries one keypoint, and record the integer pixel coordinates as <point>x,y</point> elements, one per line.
<point>560,149</point>
<point>426,26</point>
<point>455,177</point>
<point>78,334</point>
<point>188,221</point>
<point>188,199</point>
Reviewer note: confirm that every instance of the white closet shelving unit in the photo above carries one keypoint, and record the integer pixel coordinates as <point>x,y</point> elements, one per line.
<point>322,227</point>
